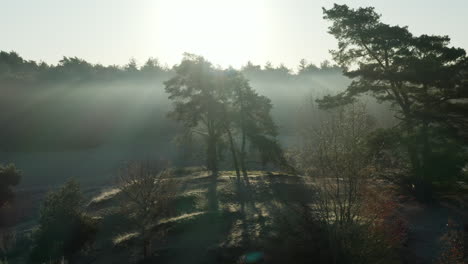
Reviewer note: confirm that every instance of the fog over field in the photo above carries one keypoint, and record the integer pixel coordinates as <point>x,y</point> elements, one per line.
<point>94,125</point>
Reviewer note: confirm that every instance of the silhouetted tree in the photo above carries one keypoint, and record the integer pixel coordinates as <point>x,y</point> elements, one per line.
<point>252,118</point>
<point>307,68</point>
<point>247,119</point>
<point>268,66</point>
<point>302,65</point>
<point>131,66</point>
<point>251,68</point>
<point>74,69</point>
<point>283,69</point>
<point>14,67</point>
<point>218,104</point>
<point>420,75</point>
<point>196,95</point>
<point>151,67</point>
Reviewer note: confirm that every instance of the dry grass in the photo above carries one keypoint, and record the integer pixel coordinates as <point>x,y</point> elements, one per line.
<point>105,195</point>
<point>122,238</point>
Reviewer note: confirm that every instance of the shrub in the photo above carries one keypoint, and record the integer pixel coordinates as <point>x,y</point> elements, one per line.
<point>64,228</point>
<point>9,176</point>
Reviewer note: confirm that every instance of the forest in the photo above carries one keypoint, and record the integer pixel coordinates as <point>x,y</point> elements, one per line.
<point>362,159</point>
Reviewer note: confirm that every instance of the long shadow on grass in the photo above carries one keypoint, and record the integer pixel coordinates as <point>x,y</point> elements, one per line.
<point>212,194</point>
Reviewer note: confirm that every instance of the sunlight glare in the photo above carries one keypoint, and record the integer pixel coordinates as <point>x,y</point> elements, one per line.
<point>222,31</point>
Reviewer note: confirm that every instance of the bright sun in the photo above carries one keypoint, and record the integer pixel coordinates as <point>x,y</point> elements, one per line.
<point>222,31</point>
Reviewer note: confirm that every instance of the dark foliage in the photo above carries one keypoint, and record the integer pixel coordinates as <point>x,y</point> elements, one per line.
<point>217,105</point>
<point>421,76</point>
<point>64,229</point>
<point>9,177</point>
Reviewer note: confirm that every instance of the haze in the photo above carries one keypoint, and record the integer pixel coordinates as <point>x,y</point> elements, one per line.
<point>243,131</point>
<point>224,32</point>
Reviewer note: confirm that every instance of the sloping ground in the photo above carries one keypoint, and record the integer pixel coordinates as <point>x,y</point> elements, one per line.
<point>23,212</point>
<point>215,223</point>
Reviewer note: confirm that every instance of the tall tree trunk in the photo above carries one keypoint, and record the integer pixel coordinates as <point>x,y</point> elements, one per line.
<point>422,187</point>
<point>211,154</point>
<point>426,188</point>
<point>242,156</point>
<point>243,135</point>
<point>426,149</point>
<point>409,126</point>
<point>234,155</point>
<point>413,155</point>
<point>146,247</point>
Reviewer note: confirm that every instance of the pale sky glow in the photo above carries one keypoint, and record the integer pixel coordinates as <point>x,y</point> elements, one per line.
<point>225,32</point>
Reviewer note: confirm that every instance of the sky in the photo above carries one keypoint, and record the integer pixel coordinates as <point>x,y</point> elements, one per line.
<point>226,32</point>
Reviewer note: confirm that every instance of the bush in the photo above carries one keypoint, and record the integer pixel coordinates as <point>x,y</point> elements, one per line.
<point>9,176</point>
<point>64,228</point>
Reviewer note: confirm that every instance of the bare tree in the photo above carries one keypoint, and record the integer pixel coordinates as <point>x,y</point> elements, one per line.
<point>336,158</point>
<point>148,192</point>
<point>341,162</point>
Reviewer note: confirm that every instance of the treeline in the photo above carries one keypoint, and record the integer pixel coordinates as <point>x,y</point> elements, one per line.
<point>75,110</point>
<point>13,68</point>
<point>76,104</point>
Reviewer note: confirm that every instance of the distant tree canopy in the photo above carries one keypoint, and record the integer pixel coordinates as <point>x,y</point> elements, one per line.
<point>421,76</point>
<point>75,104</point>
<point>218,105</point>
<point>9,177</point>
<point>71,105</point>
<point>15,68</point>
